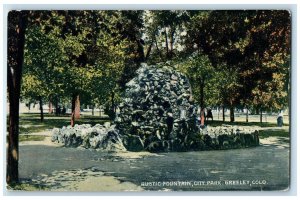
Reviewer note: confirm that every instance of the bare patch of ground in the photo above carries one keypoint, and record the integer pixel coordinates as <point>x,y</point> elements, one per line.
<point>278,142</point>
<point>134,155</point>
<point>79,180</point>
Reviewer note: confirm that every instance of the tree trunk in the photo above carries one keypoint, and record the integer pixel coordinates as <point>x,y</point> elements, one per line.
<point>202,94</point>
<point>50,107</point>
<point>75,108</point>
<point>12,175</point>
<point>113,103</point>
<point>171,43</point>
<point>56,106</point>
<point>140,50</point>
<point>202,117</point>
<point>148,51</point>
<point>257,111</point>
<point>73,111</point>
<point>72,119</point>
<point>17,21</point>
<point>223,113</point>
<point>166,41</point>
<point>247,115</point>
<point>41,108</point>
<point>231,114</point>
<point>156,45</point>
<point>260,115</point>
<point>93,113</point>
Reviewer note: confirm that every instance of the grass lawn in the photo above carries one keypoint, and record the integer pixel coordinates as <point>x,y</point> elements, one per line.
<point>273,133</point>
<point>30,123</point>
<point>219,123</point>
<point>26,137</point>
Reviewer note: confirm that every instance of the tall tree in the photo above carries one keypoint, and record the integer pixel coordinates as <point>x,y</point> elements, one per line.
<point>163,32</point>
<point>130,26</point>
<point>200,73</point>
<point>17,21</point>
<point>43,61</point>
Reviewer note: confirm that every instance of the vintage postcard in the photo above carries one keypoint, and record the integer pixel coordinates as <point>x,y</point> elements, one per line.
<point>148,100</point>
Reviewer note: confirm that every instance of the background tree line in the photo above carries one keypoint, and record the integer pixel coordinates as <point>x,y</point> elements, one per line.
<point>233,59</point>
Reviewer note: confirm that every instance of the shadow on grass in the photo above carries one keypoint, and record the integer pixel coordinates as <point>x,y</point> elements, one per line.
<point>26,137</point>
<point>30,123</point>
<point>274,133</point>
<point>219,123</point>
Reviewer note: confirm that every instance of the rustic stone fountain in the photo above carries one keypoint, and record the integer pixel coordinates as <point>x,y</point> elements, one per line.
<point>157,113</point>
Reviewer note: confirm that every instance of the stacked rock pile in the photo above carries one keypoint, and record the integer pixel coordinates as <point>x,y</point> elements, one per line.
<point>106,137</point>
<point>227,130</point>
<point>225,137</point>
<point>157,111</point>
<point>96,137</point>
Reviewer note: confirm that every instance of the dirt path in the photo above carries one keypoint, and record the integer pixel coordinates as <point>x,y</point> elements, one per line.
<point>78,169</point>
<point>78,179</point>
<point>87,180</point>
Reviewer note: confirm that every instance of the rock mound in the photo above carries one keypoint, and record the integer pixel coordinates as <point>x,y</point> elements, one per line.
<point>157,111</point>
<point>224,137</point>
<point>97,137</point>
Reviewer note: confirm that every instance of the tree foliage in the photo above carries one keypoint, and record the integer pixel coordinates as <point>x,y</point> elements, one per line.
<point>233,58</point>
<point>94,53</point>
<point>253,45</point>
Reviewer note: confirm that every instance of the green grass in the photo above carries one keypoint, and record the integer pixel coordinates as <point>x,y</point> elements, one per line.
<point>274,133</point>
<point>26,187</point>
<point>219,123</point>
<point>33,123</point>
<point>26,137</point>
